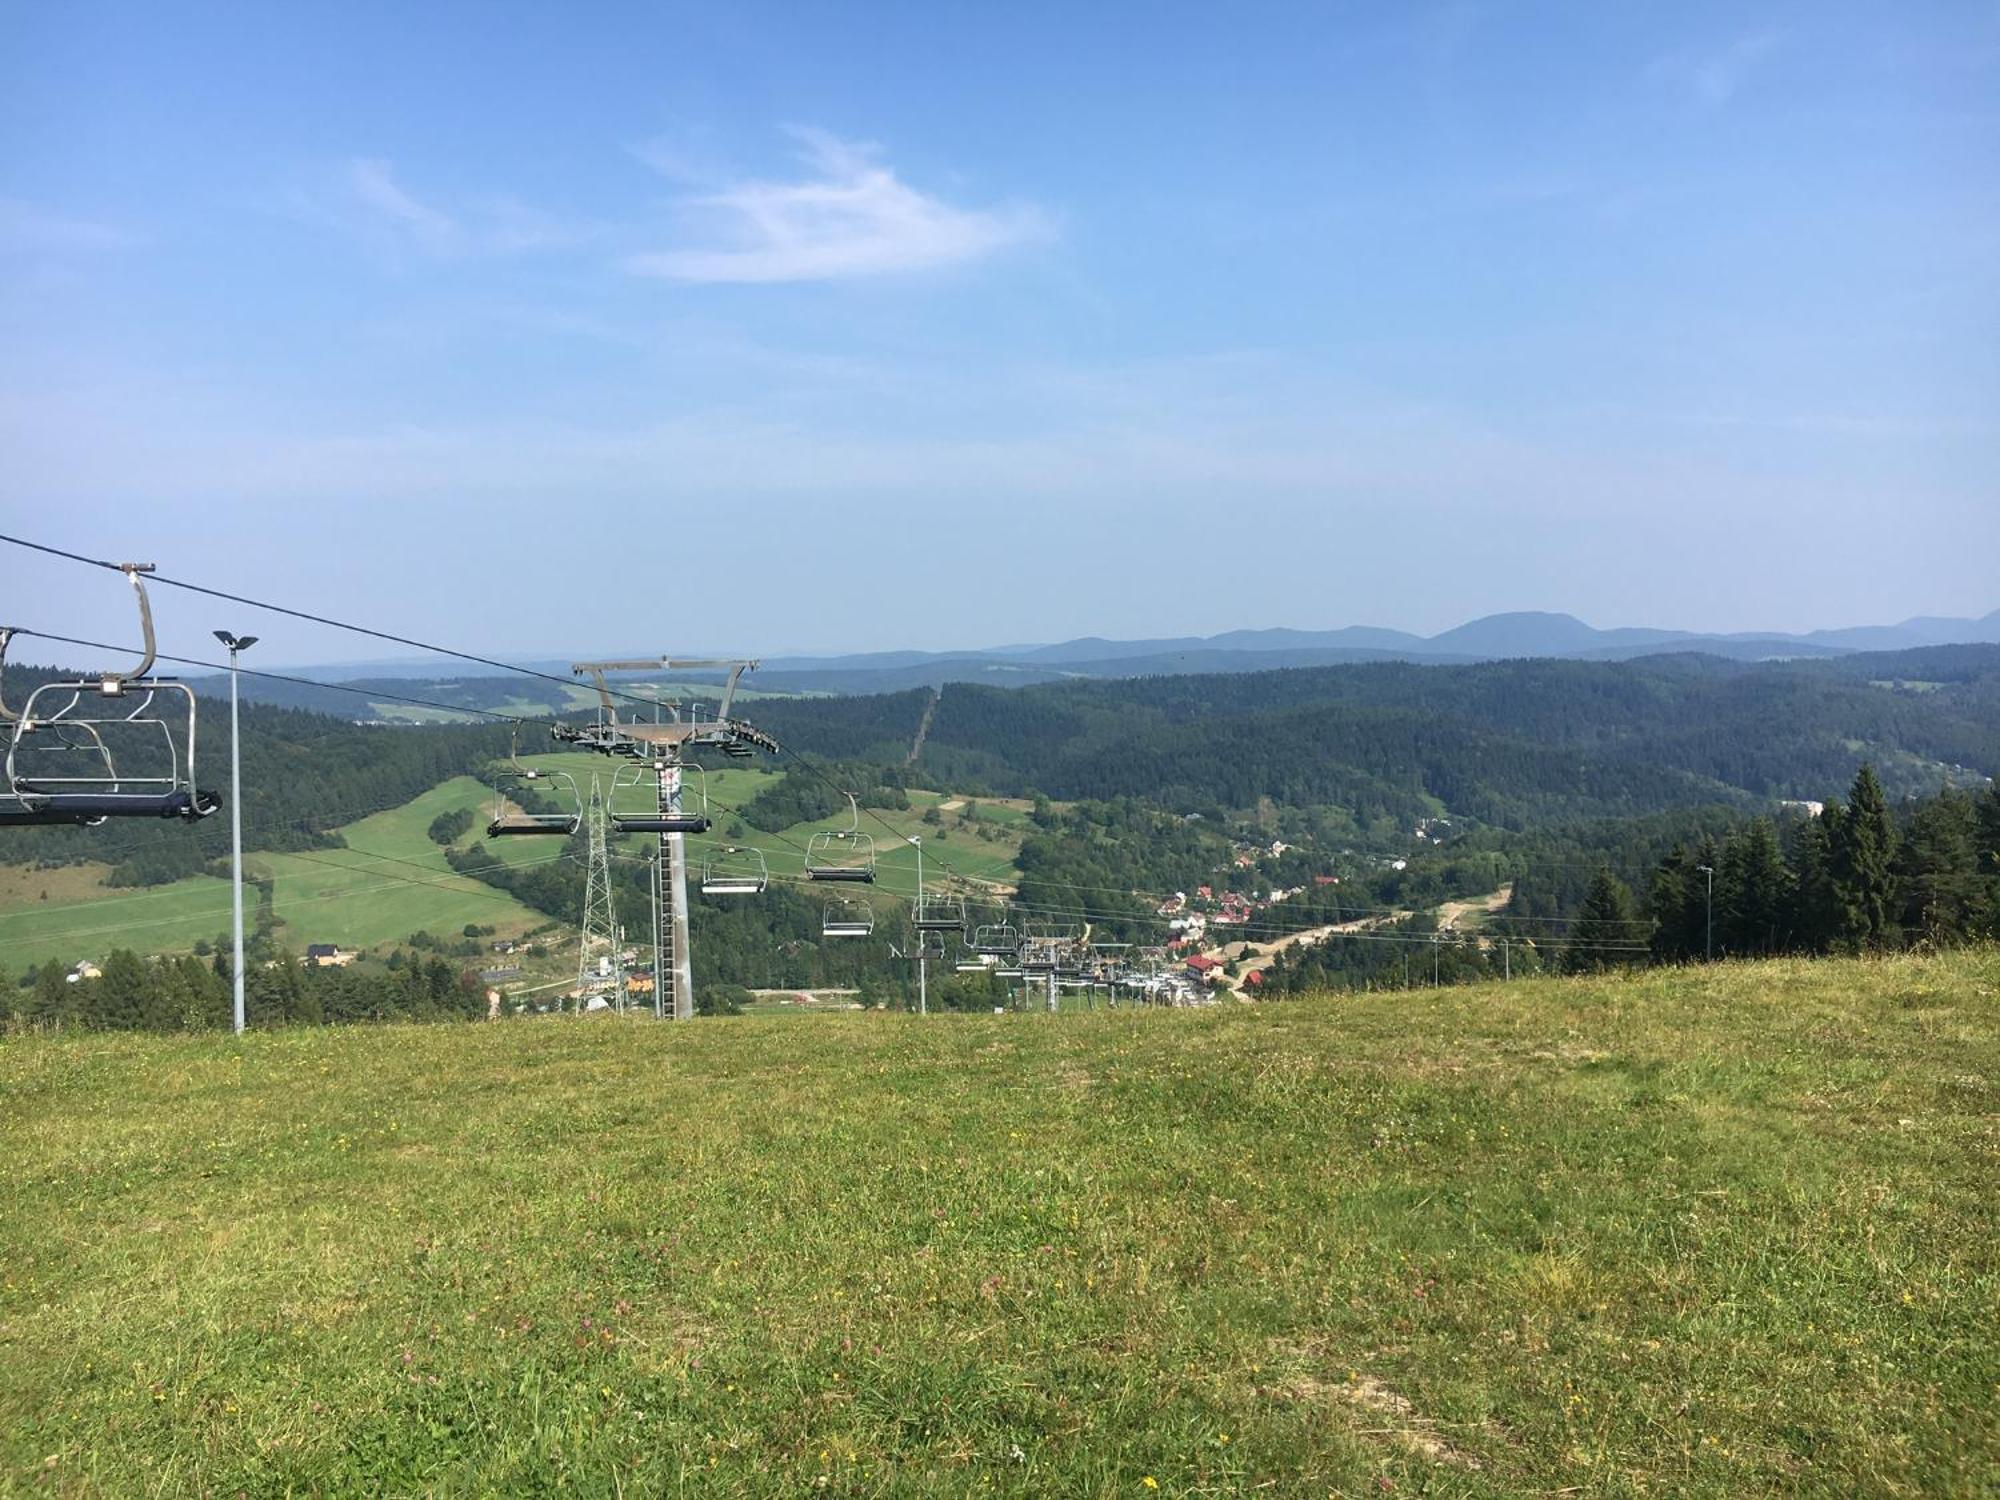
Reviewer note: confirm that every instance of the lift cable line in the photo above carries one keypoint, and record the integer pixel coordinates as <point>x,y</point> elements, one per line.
<point>370,694</point>
<point>328,620</point>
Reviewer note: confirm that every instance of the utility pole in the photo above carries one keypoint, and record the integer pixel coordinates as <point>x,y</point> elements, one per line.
<point>1709,946</point>
<point>236,643</point>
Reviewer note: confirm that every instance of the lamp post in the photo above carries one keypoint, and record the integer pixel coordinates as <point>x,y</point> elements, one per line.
<point>1709,943</point>
<point>235,644</point>
<point>923,963</point>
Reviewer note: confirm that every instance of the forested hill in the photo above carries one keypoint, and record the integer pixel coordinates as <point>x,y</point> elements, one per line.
<point>1511,743</point>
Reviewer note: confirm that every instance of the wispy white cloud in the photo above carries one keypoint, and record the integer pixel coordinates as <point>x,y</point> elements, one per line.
<point>852,216</point>
<point>29,229</point>
<point>369,201</point>
<point>1715,78</point>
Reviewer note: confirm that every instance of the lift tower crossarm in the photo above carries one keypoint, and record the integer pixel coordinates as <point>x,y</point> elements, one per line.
<point>734,666</point>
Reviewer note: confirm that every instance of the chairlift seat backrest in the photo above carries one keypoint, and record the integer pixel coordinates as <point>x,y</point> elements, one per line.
<point>732,871</point>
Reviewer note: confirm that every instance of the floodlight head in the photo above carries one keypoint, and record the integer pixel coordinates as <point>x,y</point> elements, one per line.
<point>226,638</point>
<point>234,642</point>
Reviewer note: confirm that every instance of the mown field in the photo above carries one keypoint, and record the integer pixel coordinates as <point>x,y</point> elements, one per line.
<point>1717,1234</point>
<point>982,854</point>
<point>389,882</point>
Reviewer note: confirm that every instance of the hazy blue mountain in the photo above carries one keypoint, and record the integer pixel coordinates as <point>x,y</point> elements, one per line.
<point>1518,634</point>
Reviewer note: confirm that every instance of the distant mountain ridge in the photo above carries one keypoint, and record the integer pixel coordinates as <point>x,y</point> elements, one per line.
<point>1497,637</point>
<point>1517,634</point>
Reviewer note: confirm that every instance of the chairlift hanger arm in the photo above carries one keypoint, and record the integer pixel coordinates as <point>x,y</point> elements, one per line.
<point>6,637</point>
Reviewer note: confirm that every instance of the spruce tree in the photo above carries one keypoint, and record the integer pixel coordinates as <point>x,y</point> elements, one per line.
<point>1667,904</point>
<point>1605,924</point>
<point>1814,920</point>
<point>122,994</point>
<point>1937,870</point>
<point>1753,890</point>
<point>1863,848</point>
<point>1986,839</point>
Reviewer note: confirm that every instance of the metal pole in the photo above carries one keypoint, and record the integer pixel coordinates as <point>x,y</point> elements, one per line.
<point>923,963</point>
<point>1709,946</point>
<point>670,787</point>
<point>659,966</point>
<point>236,836</point>
<point>1506,960</point>
<point>1434,960</point>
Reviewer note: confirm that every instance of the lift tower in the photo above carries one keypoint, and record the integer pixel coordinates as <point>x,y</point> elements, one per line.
<point>663,746</point>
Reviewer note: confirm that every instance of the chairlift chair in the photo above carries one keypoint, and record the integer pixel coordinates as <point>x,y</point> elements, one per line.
<point>996,940</point>
<point>847,917</point>
<point>688,820</point>
<point>939,913</point>
<point>512,815</point>
<point>729,871</point>
<point>116,746</point>
<point>845,854</point>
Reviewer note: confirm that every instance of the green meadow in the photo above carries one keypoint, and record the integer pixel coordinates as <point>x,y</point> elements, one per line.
<point>1715,1233</point>
<point>389,882</point>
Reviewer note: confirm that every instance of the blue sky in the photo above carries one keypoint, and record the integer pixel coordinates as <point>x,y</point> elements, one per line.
<point>546,329</point>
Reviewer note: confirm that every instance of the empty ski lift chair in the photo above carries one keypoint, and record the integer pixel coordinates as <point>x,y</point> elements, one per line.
<point>688,820</point>
<point>847,917</point>
<point>512,815</point>
<point>845,854</point>
<point>730,871</point>
<point>116,746</point>
<point>996,940</point>
<point>938,913</point>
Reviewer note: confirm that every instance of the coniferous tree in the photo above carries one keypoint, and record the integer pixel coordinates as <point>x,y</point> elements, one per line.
<point>120,997</point>
<point>54,997</point>
<point>1937,871</point>
<point>1605,924</point>
<point>1986,841</point>
<point>1667,905</point>
<point>1814,920</point>
<point>1753,892</point>
<point>1863,848</point>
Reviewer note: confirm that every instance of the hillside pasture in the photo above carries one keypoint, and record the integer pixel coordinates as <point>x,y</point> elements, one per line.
<point>1702,1233</point>
<point>389,882</point>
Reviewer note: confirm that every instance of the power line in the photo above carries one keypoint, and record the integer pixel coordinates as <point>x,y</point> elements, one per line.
<point>301,614</point>
<point>336,687</point>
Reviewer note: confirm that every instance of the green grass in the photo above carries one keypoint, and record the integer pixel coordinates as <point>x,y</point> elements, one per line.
<point>167,918</point>
<point>390,881</point>
<point>988,860</point>
<point>1714,1234</point>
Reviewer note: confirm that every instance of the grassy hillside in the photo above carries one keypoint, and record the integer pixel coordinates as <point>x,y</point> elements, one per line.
<point>982,852</point>
<point>1718,1234</point>
<point>390,881</point>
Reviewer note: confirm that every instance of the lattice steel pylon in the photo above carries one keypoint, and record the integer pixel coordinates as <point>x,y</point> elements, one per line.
<point>597,961</point>
<point>663,746</point>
